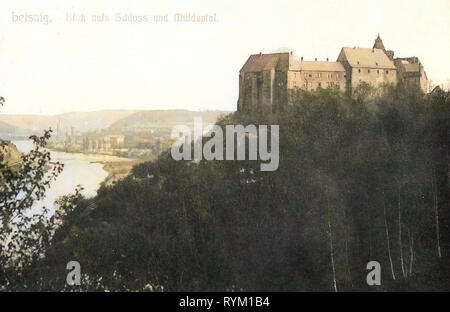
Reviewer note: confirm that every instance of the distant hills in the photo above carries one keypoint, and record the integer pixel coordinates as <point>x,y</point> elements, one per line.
<point>159,119</point>
<point>7,131</point>
<point>5,127</point>
<point>113,120</point>
<point>82,121</point>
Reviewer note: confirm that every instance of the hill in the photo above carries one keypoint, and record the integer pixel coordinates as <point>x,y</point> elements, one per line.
<point>115,120</point>
<point>8,131</point>
<point>352,169</point>
<point>5,127</point>
<point>158,119</point>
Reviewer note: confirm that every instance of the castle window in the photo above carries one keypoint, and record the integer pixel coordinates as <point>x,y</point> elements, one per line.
<point>310,75</point>
<point>368,71</point>
<point>376,63</point>
<point>387,72</point>
<point>319,85</point>
<point>359,69</point>
<point>378,71</point>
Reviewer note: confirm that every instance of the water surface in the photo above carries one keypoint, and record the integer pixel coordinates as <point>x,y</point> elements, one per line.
<point>82,169</point>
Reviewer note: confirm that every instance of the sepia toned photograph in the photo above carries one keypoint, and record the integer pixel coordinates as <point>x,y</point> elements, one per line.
<point>233,148</point>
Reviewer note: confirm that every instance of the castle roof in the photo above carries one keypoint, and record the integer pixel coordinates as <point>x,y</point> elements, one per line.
<point>317,66</point>
<point>259,62</point>
<point>361,57</point>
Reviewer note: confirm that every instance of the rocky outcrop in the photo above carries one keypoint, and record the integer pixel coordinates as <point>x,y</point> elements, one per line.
<point>10,156</point>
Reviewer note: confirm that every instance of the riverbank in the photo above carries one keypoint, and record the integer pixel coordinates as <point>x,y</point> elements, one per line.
<point>118,170</point>
<point>116,167</point>
<point>88,170</point>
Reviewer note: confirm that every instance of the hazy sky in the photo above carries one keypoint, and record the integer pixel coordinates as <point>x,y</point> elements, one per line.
<point>84,66</point>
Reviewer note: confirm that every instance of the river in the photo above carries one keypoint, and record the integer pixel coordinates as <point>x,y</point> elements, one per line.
<point>82,169</point>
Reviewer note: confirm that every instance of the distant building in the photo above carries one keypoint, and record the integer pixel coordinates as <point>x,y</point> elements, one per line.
<point>100,143</point>
<point>266,79</point>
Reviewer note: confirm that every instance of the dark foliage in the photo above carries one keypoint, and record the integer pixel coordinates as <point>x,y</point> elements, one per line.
<point>362,176</point>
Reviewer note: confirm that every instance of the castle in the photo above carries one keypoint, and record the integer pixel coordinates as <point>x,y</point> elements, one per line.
<point>265,80</point>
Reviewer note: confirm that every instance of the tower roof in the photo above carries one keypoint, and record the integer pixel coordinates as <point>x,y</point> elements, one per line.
<point>379,43</point>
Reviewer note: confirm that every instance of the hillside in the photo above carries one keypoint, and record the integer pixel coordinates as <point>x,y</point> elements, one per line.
<point>157,119</point>
<point>352,169</point>
<point>5,127</point>
<point>7,130</point>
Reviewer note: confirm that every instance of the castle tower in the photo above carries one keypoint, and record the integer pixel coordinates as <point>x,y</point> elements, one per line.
<point>379,44</point>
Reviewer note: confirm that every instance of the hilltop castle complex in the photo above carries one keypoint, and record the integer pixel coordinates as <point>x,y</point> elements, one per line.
<point>266,79</point>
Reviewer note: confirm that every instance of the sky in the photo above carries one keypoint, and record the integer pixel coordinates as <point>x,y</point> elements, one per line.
<point>56,65</point>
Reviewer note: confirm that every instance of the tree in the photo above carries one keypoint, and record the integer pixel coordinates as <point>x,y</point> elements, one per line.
<point>24,232</point>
